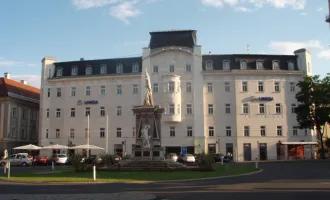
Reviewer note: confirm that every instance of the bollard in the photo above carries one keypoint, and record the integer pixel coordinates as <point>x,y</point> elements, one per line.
<point>5,169</point>
<point>8,169</point>
<point>94,173</point>
<point>53,166</point>
<point>222,160</point>
<point>256,163</point>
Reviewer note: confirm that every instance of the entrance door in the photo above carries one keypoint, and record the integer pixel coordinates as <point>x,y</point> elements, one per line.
<point>211,148</point>
<point>230,150</point>
<point>263,151</point>
<point>247,152</point>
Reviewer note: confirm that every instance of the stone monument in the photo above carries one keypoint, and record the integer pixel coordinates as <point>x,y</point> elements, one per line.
<point>148,127</point>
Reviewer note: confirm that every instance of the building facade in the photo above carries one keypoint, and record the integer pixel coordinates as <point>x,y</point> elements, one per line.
<point>241,104</point>
<point>19,113</point>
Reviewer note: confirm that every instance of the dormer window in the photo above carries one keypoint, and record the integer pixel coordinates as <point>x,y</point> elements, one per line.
<point>243,64</point>
<point>59,72</point>
<point>260,64</point>
<point>119,69</point>
<point>89,70</point>
<point>226,65</point>
<point>135,68</point>
<point>276,65</point>
<point>103,69</point>
<point>209,65</point>
<point>290,66</point>
<point>74,71</point>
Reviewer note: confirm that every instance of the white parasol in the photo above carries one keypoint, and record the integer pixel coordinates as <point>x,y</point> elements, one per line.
<point>86,146</point>
<point>55,146</point>
<point>29,147</point>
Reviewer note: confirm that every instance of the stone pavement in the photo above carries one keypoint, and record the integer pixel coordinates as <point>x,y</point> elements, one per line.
<point>103,196</point>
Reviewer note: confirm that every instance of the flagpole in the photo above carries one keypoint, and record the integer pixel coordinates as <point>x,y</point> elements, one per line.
<point>107,136</point>
<point>87,136</point>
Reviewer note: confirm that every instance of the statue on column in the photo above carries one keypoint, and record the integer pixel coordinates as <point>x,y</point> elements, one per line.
<point>148,98</point>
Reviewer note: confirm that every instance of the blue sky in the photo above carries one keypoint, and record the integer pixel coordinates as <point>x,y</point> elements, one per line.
<point>94,29</point>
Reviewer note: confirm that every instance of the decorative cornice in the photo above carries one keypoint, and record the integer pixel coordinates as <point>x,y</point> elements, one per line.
<point>21,97</point>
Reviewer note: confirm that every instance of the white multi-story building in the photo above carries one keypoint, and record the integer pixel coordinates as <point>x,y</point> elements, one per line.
<point>241,104</point>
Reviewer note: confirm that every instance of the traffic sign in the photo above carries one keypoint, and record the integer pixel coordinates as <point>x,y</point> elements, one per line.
<point>183,150</point>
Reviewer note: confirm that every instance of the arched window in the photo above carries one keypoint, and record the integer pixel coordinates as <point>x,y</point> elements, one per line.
<point>59,72</point>
<point>209,65</point>
<point>226,65</point>
<point>276,65</point>
<point>74,71</point>
<point>89,70</point>
<point>103,69</point>
<point>260,64</point>
<point>243,64</point>
<point>119,69</point>
<point>135,68</point>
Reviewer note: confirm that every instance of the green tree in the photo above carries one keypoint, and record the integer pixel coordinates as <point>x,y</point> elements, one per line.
<point>313,110</point>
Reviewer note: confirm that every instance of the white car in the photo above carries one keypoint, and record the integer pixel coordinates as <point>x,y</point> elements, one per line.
<point>21,159</point>
<point>60,158</point>
<point>188,158</point>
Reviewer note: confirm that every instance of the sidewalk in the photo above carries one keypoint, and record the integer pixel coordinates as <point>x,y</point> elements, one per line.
<point>104,196</point>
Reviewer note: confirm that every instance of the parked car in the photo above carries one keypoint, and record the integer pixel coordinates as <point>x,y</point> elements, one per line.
<point>40,160</point>
<point>187,159</point>
<point>218,157</point>
<point>21,159</point>
<point>58,159</point>
<point>173,157</point>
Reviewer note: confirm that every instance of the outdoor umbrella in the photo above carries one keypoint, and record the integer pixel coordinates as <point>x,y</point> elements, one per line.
<point>55,146</point>
<point>86,146</point>
<point>29,147</point>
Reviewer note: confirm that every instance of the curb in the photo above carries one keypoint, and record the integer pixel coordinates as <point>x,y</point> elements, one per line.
<point>210,178</point>
<point>136,182</point>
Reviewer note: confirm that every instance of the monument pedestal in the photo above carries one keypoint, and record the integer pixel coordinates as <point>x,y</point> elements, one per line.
<point>148,137</point>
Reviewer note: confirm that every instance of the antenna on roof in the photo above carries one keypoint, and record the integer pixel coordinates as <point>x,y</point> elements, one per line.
<point>248,49</point>
<point>209,52</point>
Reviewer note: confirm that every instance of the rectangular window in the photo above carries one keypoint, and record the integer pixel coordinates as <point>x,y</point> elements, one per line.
<point>103,69</point>
<point>73,112</point>
<point>73,91</point>
<point>155,87</point>
<point>295,130</point>
<point>228,131</point>
<point>172,68</point>
<point>155,69</point>
<point>47,113</point>
<point>74,71</point>
<point>277,86</point>
<point>172,131</point>
<point>211,131</point>
<point>279,130</point>
<point>57,133</point>
<point>209,87</point>
<point>278,108</point>
<point>244,86</point>
<point>71,133</point>
<point>88,91</point>
<point>102,90</point>
<point>189,131</point>
<point>260,86</point>
<point>48,92</point>
<point>102,111</point>
<point>58,113</point>
<point>118,111</point>
<point>24,114</point>
<point>246,131</point>
<point>118,132</point>
<point>293,108</point>
<point>188,87</point>
<point>292,87</point>
<point>262,108</point>
<point>246,108</point>
<point>88,111</point>
<point>102,132</point>
<point>135,89</point>
<point>226,65</point>
<point>171,86</point>
<point>210,109</point>
<point>119,90</point>
<point>189,109</point>
<point>263,130</point>
<point>14,112</point>
<point>227,87</point>
<point>171,109</point>
<point>188,68</point>
<point>47,133</point>
<point>227,108</point>
<point>59,93</point>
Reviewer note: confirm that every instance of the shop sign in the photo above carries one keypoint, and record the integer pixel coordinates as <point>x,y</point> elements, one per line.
<point>254,98</point>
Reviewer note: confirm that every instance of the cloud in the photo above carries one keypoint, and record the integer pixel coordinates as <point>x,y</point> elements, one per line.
<point>290,47</point>
<point>125,10</point>
<point>9,63</point>
<point>213,3</point>
<point>324,54</point>
<point>295,4</point>
<point>33,80</point>
<point>243,9</point>
<point>319,9</point>
<point>133,43</point>
<point>87,4</point>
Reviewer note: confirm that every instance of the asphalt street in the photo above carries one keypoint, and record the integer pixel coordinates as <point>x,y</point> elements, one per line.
<point>291,180</point>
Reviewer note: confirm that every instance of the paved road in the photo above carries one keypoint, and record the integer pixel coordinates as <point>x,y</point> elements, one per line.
<point>278,181</point>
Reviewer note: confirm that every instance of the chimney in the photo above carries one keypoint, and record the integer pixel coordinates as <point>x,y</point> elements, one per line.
<point>7,75</point>
<point>82,59</point>
<point>24,82</point>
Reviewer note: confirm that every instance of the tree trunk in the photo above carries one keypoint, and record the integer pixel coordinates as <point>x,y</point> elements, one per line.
<point>322,152</point>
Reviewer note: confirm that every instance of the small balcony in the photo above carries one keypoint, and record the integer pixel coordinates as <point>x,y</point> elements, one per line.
<point>327,18</point>
<point>172,118</point>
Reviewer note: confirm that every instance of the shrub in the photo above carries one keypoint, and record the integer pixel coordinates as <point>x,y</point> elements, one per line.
<point>106,159</point>
<point>127,157</point>
<point>76,161</point>
<point>206,161</point>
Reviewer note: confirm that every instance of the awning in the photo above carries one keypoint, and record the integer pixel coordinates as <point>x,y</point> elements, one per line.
<point>300,143</point>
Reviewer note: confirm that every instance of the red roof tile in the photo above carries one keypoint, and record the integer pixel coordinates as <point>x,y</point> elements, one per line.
<point>8,85</point>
